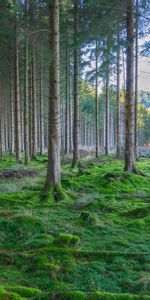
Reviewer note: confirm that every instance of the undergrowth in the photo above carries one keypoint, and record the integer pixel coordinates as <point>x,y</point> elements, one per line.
<point>94,246</point>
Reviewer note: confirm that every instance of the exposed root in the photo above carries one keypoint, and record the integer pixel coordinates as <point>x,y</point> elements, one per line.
<point>53,193</point>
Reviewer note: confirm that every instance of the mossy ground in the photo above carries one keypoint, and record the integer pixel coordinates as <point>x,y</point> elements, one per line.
<point>93,245</point>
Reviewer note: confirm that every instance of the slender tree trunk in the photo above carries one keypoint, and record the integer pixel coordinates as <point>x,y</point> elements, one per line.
<point>107,116</point>
<point>76,90</point>
<point>129,142</point>
<point>118,95</point>
<point>34,116</point>
<point>53,171</point>
<point>17,99</point>
<point>26,90</point>
<point>1,146</point>
<point>136,82</point>
<point>41,111</point>
<point>70,117</point>
<point>30,110</point>
<point>96,105</point>
<point>67,107</point>
<point>12,128</point>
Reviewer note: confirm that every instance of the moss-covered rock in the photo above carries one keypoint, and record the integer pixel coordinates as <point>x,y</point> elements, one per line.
<point>76,295</point>
<point>67,239</point>
<point>26,292</point>
<point>6,295</point>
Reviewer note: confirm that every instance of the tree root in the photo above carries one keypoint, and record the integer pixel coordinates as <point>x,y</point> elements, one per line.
<point>54,192</point>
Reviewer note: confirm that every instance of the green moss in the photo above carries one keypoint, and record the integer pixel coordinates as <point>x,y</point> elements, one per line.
<point>86,216</point>
<point>114,251</point>
<point>66,239</point>
<point>110,296</point>
<point>139,212</point>
<point>39,242</point>
<point>54,193</point>
<point>6,295</point>
<point>52,267</point>
<point>26,292</point>
<point>77,295</point>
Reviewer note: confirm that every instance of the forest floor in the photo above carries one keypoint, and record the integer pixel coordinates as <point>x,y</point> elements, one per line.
<point>94,246</point>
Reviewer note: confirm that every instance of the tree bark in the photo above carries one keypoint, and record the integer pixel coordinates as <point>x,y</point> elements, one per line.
<point>12,129</point>
<point>41,111</point>
<point>17,99</point>
<point>26,89</point>
<point>1,146</point>
<point>107,115</point>
<point>136,82</point>
<point>53,170</point>
<point>30,109</point>
<point>76,91</point>
<point>118,95</point>
<point>129,135</point>
<point>96,105</point>
<point>67,107</point>
<point>34,116</point>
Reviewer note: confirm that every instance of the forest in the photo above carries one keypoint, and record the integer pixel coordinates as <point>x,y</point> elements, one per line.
<point>74,149</point>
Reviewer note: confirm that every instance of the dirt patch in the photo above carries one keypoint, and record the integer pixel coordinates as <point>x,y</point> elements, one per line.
<point>8,173</point>
<point>6,213</point>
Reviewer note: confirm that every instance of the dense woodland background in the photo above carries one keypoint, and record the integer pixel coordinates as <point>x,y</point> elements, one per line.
<point>93,57</point>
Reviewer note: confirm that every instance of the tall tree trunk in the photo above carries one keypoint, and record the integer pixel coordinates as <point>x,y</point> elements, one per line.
<point>118,95</point>
<point>12,129</point>
<point>26,89</point>
<point>34,116</point>
<point>107,115</point>
<point>76,90</point>
<point>67,106</point>
<point>1,146</point>
<point>53,170</point>
<point>96,105</point>
<point>129,141</point>
<point>30,109</point>
<point>17,99</point>
<point>70,117</point>
<point>41,111</point>
<point>136,81</point>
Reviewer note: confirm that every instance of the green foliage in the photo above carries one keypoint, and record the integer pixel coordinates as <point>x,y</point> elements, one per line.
<point>109,296</point>
<point>97,240</point>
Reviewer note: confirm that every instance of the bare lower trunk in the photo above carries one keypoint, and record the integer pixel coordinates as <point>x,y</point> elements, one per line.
<point>1,147</point>
<point>34,117</point>
<point>17,100</point>
<point>26,94</point>
<point>96,105</point>
<point>118,97</point>
<point>129,142</point>
<point>41,112</point>
<point>76,91</point>
<point>30,110</point>
<point>53,171</point>
<point>12,129</point>
<point>136,84</point>
<point>107,116</point>
<point>67,107</point>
